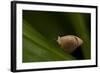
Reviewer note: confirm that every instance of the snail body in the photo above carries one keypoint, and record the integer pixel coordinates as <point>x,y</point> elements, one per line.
<point>69,43</point>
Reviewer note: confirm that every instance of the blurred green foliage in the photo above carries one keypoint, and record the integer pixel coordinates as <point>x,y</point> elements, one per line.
<point>40,32</point>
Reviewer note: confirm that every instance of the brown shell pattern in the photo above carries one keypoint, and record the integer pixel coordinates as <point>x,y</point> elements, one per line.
<point>69,43</point>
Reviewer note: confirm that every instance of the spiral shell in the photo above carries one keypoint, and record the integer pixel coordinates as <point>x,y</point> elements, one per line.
<point>69,43</point>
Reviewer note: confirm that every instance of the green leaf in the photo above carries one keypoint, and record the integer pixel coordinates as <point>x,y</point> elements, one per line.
<point>37,48</point>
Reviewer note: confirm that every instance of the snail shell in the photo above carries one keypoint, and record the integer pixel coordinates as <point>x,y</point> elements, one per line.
<point>69,43</point>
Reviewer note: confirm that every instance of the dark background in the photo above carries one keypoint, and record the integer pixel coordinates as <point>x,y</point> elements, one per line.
<point>50,25</point>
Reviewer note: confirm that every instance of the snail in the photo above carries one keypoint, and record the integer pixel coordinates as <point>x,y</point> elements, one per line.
<point>69,43</point>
